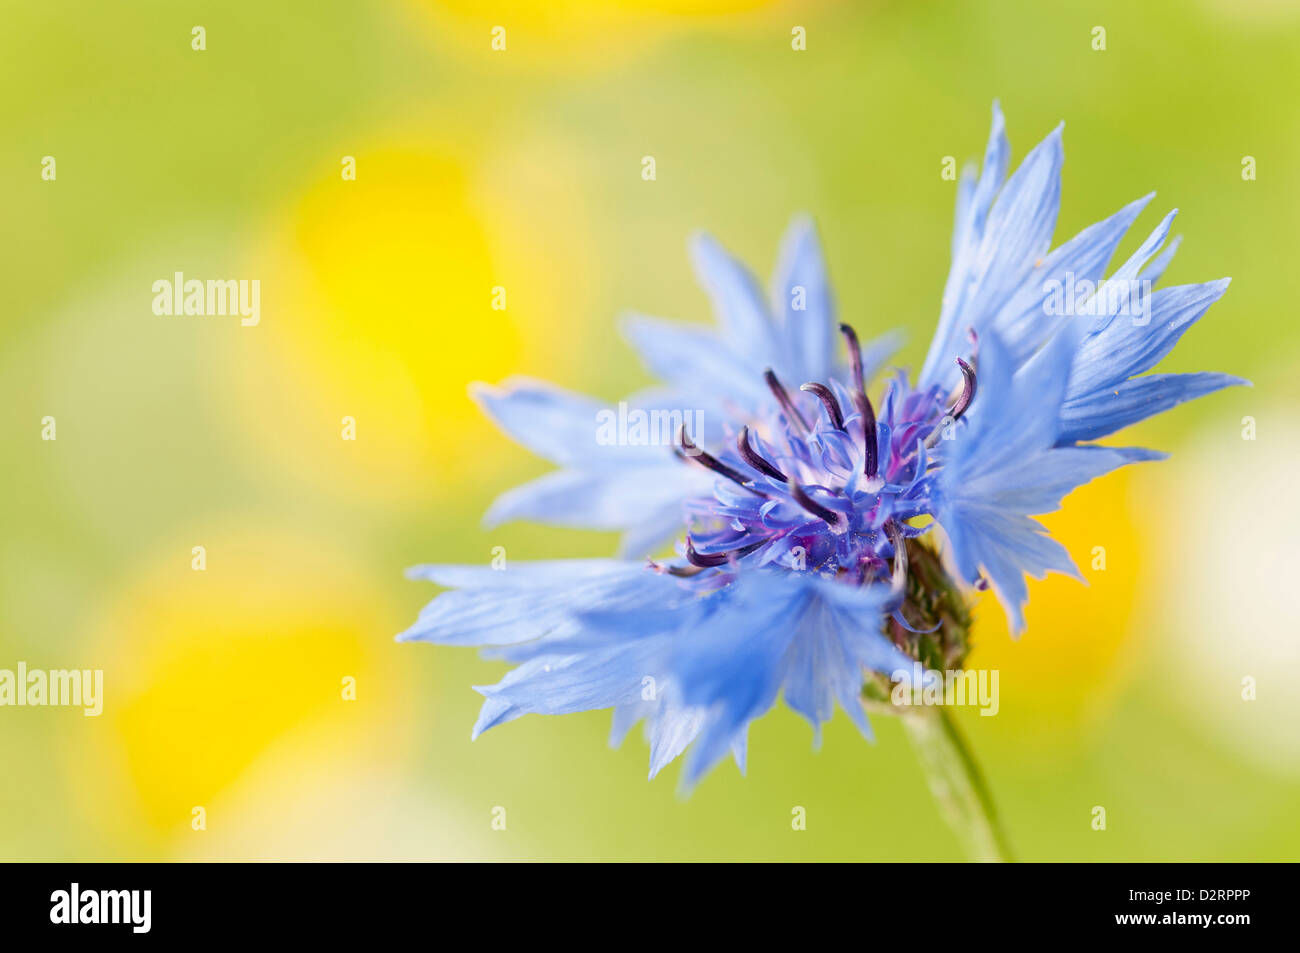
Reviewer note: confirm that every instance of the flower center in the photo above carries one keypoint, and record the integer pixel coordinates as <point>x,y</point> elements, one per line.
<point>833,493</point>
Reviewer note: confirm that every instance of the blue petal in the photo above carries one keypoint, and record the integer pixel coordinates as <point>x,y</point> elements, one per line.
<point>1156,270</point>
<point>1020,226</point>
<point>553,423</point>
<point>1103,412</point>
<point>529,600</point>
<point>1004,468</point>
<point>807,333</point>
<point>1133,268</point>
<point>827,659</point>
<point>577,431</point>
<point>997,259</point>
<point>673,731</point>
<point>1007,545</point>
<point>564,684</point>
<point>1048,476</point>
<point>740,750</point>
<point>648,535</point>
<point>695,359</point>
<point>737,301</point>
<point>1023,324</point>
<point>1127,345</point>
<point>625,718</point>
<point>735,672</point>
<point>809,636</point>
<point>605,501</point>
<point>973,203</point>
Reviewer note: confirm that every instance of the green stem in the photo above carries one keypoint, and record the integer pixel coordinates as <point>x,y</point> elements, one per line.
<point>956,782</point>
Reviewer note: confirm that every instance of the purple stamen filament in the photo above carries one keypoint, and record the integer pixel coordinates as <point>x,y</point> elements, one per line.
<point>755,459</point>
<point>709,560</point>
<point>871,451</point>
<point>967,392</point>
<point>959,405</point>
<point>823,393</point>
<point>787,405</point>
<point>829,516</point>
<point>681,572</point>
<point>689,451</point>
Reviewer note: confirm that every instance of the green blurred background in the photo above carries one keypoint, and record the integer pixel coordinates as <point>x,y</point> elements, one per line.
<point>522,169</point>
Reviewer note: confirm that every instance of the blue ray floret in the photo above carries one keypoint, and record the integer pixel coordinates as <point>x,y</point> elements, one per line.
<point>820,533</point>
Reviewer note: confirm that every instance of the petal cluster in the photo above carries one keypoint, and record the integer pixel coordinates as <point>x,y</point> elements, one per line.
<point>796,501</point>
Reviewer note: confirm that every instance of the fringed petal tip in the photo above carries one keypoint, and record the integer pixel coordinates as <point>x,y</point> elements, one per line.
<point>493,712</point>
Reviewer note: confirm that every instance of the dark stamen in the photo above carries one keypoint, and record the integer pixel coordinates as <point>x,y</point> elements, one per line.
<point>681,572</point>
<point>783,398</point>
<point>828,400</point>
<point>829,516</point>
<point>967,391</point>
<point>689,451</point>
<point>709,560</point>
<point>855,356</point>
<point>755,459</point>
<point>959,406</point>
<point>872,452</point>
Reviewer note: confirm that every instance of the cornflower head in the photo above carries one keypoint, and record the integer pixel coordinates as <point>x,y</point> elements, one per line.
<point>823,536</point>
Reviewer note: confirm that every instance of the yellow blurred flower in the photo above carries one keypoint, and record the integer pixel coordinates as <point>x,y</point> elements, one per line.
<point>206,670</point>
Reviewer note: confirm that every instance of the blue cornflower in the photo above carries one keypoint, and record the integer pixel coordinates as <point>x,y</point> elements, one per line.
<point>802,509</point>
